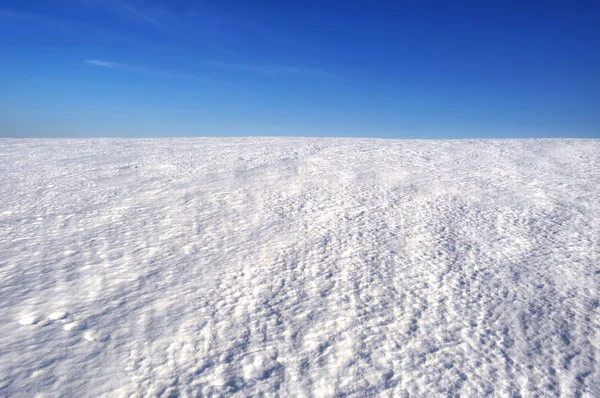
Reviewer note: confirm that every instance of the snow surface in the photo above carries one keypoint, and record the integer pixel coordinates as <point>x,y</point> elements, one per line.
<point>299,267</point>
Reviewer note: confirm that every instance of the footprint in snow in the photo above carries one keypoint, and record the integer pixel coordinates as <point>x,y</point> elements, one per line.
<point>33,318</point>
<point>94,335</point>
<point>30,319</point>
<point>87,334</point>
<point>58,315</point>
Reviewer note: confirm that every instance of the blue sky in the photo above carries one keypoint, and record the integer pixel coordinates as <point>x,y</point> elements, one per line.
<point>412,69</point>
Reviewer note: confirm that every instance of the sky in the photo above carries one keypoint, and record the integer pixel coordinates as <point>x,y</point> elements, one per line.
<point>389,69</point>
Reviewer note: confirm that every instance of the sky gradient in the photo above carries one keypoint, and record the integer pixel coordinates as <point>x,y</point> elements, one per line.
<point>414,69</point>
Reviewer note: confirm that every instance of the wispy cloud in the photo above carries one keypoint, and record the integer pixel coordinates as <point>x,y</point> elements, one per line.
<point>139,69</point>
<point>273,70</point>
<point>27,16</point>
<point>157,17</point>
<point>67,25</point>
<point>111,65</point>
<point>143,12</point>
<point>202,22</point>
<point>144,16</point>
<point>8,13</point>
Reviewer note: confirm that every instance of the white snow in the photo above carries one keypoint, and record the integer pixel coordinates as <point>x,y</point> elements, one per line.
<point>299,267</point>
<point>56,315</point>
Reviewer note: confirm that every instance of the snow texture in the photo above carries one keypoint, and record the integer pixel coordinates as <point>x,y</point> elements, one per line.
<point>299,267</point>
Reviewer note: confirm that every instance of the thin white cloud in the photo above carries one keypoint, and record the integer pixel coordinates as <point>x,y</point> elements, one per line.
<point>26,16</point>
<point>156,16</point>
<point>7,13</point>
<point>272,70</point>
<point>137,69</point>
<point>152,17</point>
<point>109,65</point>
<point>66,25</point>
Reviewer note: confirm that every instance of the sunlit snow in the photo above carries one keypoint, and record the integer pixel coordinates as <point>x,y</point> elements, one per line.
<point>299,267</point>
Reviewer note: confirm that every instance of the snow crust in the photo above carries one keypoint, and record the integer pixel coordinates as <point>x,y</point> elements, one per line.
<point>299,267</point>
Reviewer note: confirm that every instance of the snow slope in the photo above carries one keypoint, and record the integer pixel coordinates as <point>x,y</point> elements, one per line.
<point>299,267</point>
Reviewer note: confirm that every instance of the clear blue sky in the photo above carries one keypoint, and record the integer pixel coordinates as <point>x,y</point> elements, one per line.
<point>414,69</point>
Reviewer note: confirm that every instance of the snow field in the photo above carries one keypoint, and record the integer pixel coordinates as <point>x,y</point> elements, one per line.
<point>299,267</point>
